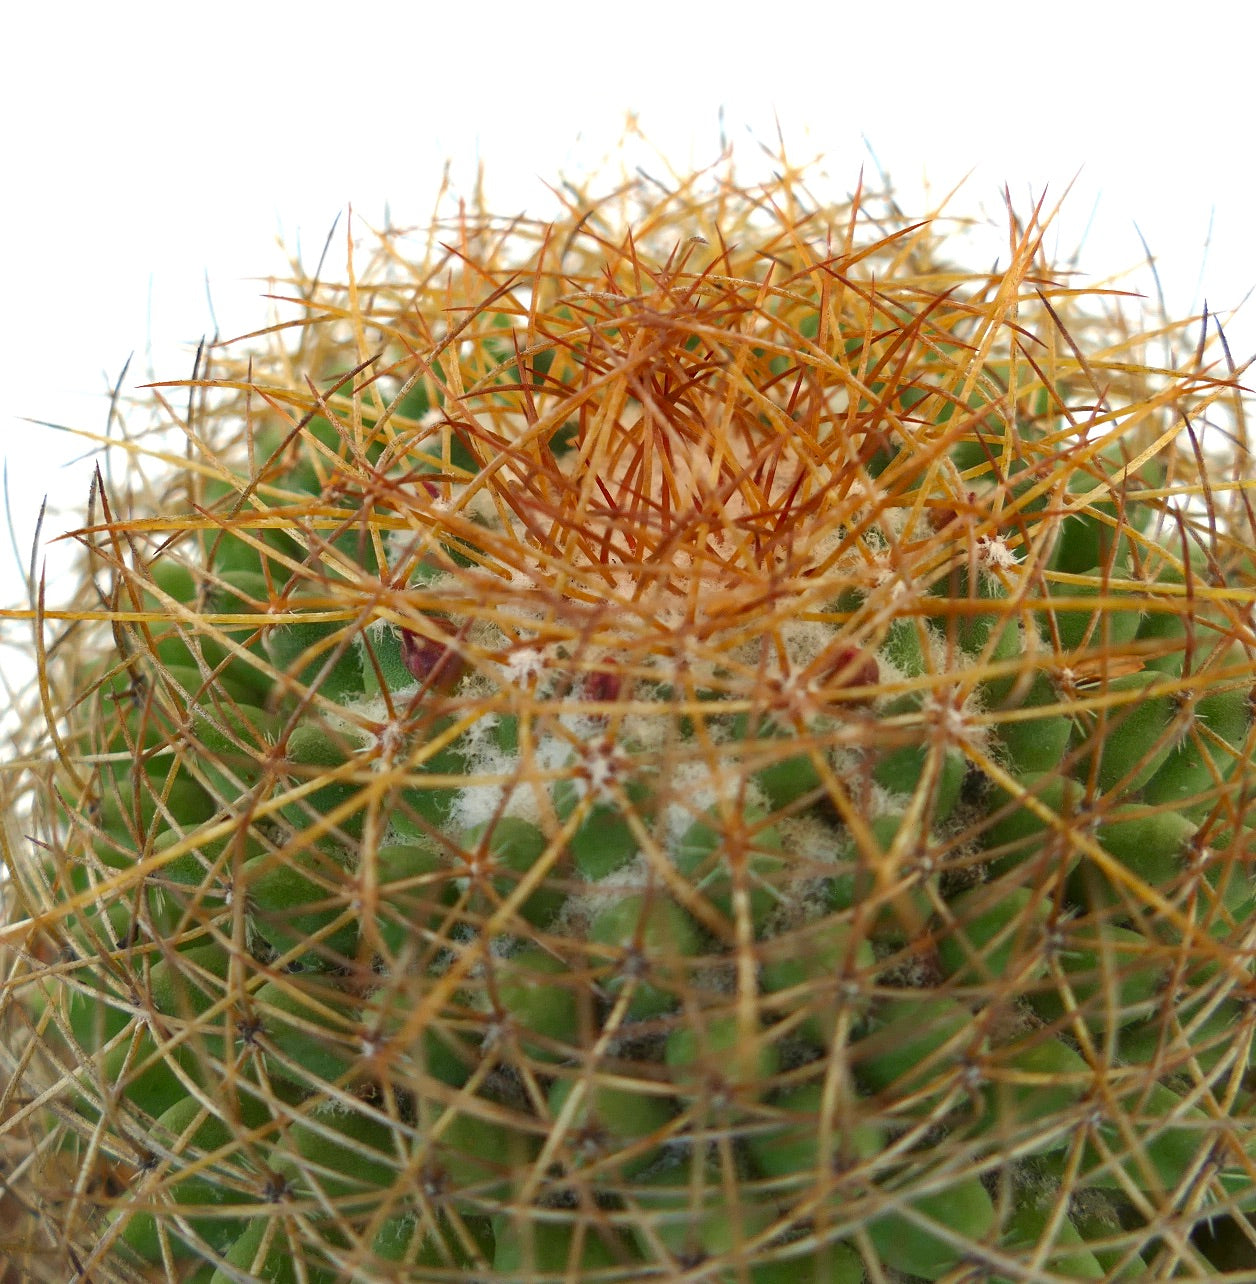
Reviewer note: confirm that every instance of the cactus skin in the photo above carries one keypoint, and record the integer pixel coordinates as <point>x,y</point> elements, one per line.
<point>680,771</point>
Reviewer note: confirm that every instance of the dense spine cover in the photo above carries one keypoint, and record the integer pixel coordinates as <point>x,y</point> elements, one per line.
<point>697,740</point>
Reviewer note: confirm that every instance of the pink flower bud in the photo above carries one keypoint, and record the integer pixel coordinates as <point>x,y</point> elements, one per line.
<point>431,661</point>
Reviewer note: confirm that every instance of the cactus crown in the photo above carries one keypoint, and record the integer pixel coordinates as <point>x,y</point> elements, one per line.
<point>694,740</point>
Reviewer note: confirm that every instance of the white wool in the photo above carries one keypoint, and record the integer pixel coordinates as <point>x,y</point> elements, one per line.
<point>478,803</point>
<point>824,547</point>
<point>553,753</point>
<point>443,503</point>
<point>524,664</point>
<point>583,727</point>
<point>476,685</point>
<point>695,790</point>
<point>606,767</point>
<point>650,731</point>
<point>958,721</point>
<point>812,839</point>
<point>805,640</point>
<point>389,743</point>
<point>598,894</point>
<point>364,708</point>
<point>994,554</point>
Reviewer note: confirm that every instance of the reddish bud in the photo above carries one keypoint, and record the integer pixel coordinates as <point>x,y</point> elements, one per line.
<point>941,516</point>
<point>430,660</point>
<point>603,685</point>
<point>850,667</point>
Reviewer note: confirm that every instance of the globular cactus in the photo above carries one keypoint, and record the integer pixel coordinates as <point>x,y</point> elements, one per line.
<point>695,741</point>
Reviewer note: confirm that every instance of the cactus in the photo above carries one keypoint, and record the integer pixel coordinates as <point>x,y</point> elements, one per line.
<point>696,741</point>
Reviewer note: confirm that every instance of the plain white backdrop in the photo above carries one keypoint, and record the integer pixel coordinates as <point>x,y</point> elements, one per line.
<point>156,155</point>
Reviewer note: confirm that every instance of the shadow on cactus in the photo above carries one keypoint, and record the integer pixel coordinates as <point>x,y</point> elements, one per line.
<point>694,741</point>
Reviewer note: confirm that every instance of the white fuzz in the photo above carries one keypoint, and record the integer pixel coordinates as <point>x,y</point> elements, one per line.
<point>954,719</point>
<point>476,685</point>
<point>887,579</point>
<point>601,893</point>
<point>702,790</point>
<point>994,554</point>
<point>805,640</point>
<point>602,767</point>
<point>650,731</point>
<point>479,803</point>
<point>388,744</point>
<point>477,735</point>
<point>525,665</point>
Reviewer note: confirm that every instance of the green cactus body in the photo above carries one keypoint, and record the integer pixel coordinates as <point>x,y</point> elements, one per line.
<point>731,775</point>
<point>1066,1254</point>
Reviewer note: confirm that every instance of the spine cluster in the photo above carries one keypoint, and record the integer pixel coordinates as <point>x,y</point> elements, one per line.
<point>714,745</point>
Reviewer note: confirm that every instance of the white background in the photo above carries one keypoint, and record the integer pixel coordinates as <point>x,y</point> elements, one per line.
<point>155,155</point>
